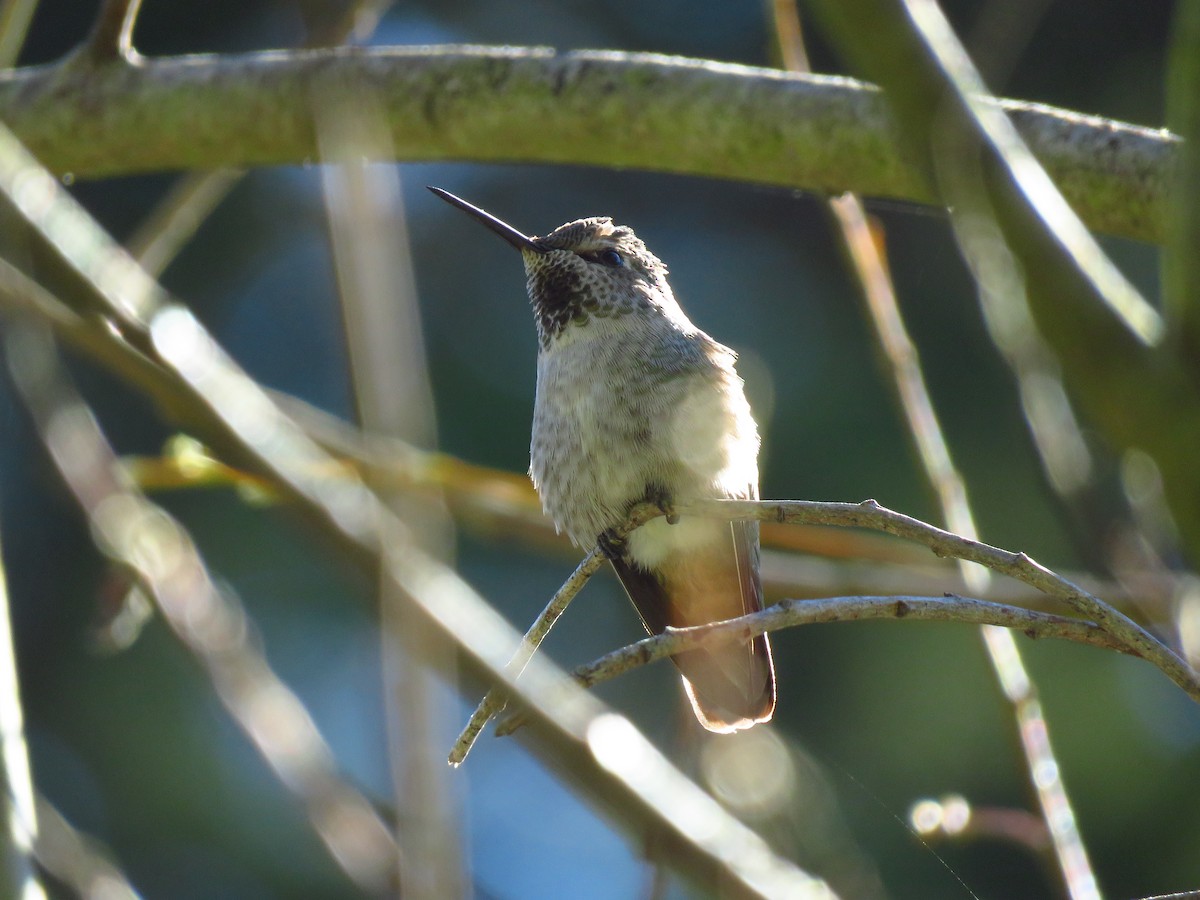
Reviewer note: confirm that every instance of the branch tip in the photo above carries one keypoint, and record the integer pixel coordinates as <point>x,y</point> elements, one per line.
<point>111,38</point>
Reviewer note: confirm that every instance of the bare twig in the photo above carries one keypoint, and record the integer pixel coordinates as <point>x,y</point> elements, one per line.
<point>502,505</point>
<point>143,537</point>
<point>905,369</point>
<point>176,218</point>
<point>15,16</point>
<point>78,860</point>
<point>112,34</point>
<point>393,398</point>
<point>495,700</point>
<point>793,613</point>
<point>869,514</point>
<point>903,366</point>
<point>1066,461</point>
<point>18,815</point>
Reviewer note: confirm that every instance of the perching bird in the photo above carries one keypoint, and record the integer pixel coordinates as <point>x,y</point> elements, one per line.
<point>634,404</point>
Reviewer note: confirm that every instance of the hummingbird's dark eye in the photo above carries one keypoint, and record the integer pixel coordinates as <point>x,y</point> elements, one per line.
<point>610,258</point>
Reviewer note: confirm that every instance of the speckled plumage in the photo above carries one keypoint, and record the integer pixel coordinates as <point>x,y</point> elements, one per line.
<point>631,396</point>
<point>634,403</point>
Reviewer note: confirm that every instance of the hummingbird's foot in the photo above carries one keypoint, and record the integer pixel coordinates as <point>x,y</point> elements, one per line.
<point>659,496</point>
<point>610,544</point>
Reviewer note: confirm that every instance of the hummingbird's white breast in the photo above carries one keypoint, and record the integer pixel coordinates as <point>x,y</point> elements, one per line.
<point>632,405</point>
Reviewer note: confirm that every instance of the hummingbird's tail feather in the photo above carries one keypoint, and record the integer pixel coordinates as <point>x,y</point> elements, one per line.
<point>721,704</point>
<point>731,686</point>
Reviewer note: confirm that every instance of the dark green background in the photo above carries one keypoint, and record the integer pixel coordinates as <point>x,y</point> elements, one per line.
<point>135,749</point>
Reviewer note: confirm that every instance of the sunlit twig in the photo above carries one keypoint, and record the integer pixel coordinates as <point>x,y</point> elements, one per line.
<point>495,700</point>
<point>393,399</point>
<point>77,860</point>
<point>867,262</point>
<point>112,33</point>
<point>502,506</point>
<point>192,199</point>
<point>15,16</point>
<point>870,514</point>
<point>795,613</point>
<point>143,537</point>
<point>18,814</point>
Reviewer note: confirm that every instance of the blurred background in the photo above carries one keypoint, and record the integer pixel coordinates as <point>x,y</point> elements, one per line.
<point>132,746</point>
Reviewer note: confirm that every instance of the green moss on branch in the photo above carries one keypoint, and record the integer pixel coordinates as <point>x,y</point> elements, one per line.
<point>486,104</point>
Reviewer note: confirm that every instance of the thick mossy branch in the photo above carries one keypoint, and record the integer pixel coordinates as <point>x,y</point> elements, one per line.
<point>487,104</point>
<point>1181,274</point>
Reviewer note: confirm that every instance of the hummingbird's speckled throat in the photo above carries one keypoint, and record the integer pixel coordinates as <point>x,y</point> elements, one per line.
<point>634,402</point>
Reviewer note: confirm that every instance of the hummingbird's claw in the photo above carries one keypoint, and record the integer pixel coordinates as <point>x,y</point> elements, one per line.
<point>659,497</point>
<point>612,546</point>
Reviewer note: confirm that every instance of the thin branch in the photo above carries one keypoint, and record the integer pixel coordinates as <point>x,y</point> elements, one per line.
<point>495,700</point>
<point>143,537</point>
<point>864,252</point>
<point>1066,461</point>
<point>791,575</point>
<point>15,16</point>
<point>502,505</point>
<point>78,860</point>
<point>870,514</point>
<point>112,33</point>
<point>392,395</point>
<point>18,814</point>
<point>793,613</point>
<point>592,108</point>
<point>176,218</point>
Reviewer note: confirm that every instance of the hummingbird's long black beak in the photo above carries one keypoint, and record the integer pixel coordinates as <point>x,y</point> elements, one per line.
<point>516,238</point>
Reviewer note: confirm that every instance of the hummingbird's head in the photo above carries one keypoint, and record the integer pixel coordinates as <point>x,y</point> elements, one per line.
<point>584,270</point>
<point>592,269</point>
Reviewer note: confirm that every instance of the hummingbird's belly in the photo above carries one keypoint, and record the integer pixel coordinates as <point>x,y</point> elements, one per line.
<point>600,447</point>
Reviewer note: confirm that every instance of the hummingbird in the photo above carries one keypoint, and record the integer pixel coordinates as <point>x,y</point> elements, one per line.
<point>636,404</point>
